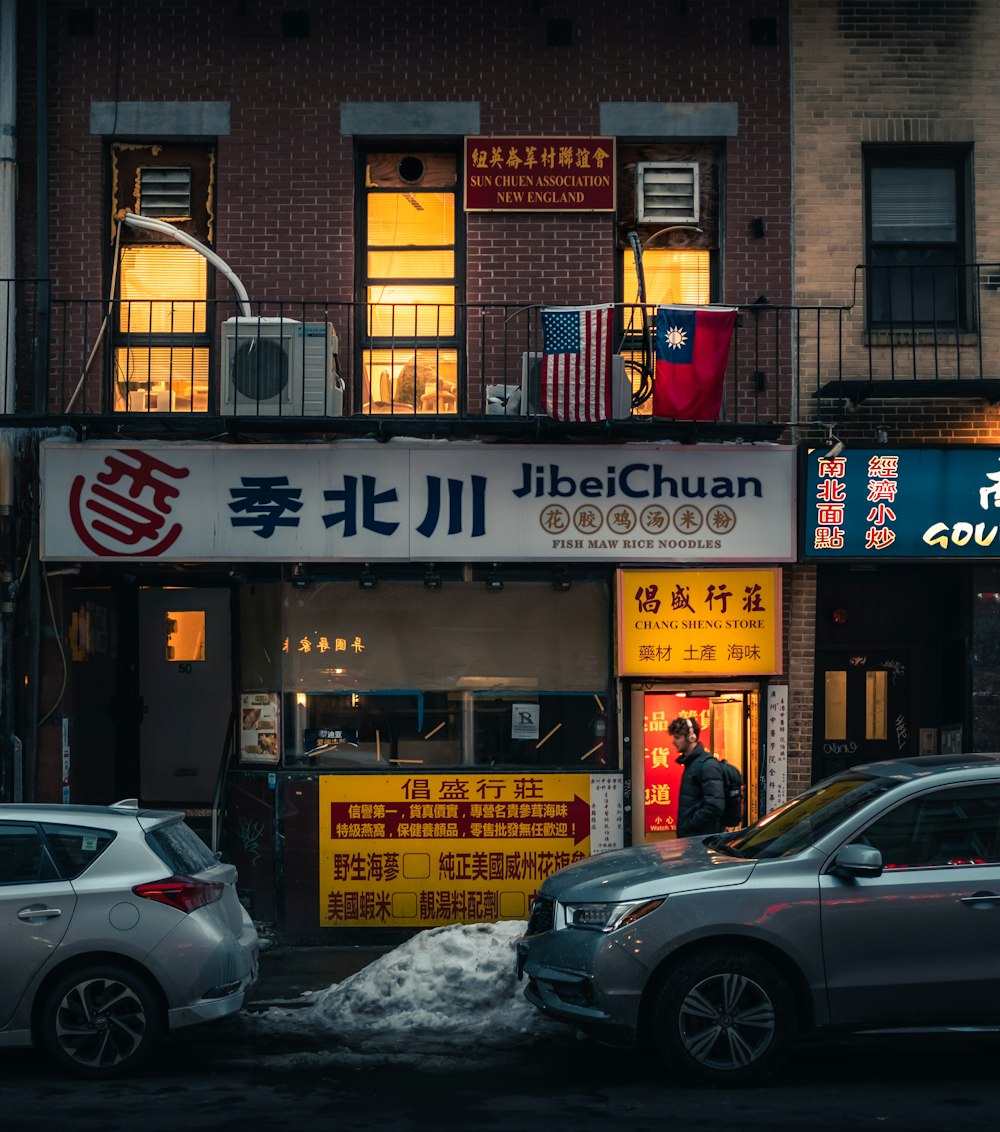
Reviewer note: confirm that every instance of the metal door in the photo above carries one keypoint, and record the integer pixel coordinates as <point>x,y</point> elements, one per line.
<point>863,709</point>
<point>185,686</point>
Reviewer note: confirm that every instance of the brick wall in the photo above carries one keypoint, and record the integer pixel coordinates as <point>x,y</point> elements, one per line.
<point>286,175</point>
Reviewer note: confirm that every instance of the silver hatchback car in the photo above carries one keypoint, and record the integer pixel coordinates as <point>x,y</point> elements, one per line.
<point>116,924</point>
<point>870,902</point>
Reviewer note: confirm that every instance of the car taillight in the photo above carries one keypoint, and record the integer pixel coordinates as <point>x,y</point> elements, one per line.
<point>183,893</point>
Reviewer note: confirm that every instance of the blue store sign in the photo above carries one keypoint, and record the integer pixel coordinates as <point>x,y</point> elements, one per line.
<point>914,503</point>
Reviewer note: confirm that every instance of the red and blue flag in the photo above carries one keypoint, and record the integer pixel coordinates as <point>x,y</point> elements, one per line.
<point>692,351</point>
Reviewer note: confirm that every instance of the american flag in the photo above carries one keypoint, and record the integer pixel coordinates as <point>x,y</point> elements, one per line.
<point>576,363</point>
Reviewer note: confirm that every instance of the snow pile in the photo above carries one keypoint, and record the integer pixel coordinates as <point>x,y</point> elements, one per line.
<point>446,990</point>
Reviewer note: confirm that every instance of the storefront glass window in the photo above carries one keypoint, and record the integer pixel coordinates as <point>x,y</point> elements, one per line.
<point>401,677</point>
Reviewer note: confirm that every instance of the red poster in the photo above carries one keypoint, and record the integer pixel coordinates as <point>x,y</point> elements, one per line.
<point>541,174</point>
<point>662,773</point>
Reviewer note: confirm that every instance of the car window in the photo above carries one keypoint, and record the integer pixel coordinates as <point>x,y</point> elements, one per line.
<point>180,848</point>
<point>24,857</point>
<point>957,826</point>
<point>805,819</point>
<point>75,847</point>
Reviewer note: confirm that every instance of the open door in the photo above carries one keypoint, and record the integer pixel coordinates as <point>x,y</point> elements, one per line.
<point>185,686</point>
<point>729,722</point>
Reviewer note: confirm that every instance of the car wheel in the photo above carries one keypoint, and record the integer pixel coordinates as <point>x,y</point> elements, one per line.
<point>725,1018</point>
<point>100,1021</point>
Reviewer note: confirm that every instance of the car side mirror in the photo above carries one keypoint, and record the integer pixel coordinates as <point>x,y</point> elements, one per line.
<point>857,861</point>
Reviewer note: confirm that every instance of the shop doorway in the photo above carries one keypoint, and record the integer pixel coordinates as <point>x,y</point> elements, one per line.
<point>729,719</point>
<point>185,693</point>
<point>863,708</point>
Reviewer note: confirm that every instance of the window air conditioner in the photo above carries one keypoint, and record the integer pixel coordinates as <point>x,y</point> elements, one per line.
<point>280,367</point>
<point>531,387</point>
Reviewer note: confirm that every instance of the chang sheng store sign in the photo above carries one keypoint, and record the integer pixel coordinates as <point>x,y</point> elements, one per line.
<point>916,503</point>
<point>429,501</point>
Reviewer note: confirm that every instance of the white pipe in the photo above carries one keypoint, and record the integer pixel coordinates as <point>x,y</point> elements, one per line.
<point>166,229</point>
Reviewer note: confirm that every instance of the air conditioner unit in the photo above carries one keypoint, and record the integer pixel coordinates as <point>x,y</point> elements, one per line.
<point>280,367</point>
<point>531,387</point>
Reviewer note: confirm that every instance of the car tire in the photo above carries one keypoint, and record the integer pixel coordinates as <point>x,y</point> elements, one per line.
<point>724,1018</point>
<point>100,1021</point>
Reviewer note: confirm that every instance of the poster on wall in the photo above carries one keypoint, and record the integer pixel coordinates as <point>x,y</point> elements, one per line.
<point>259,730</point>
<point>776,793</point>
<point>425,850</point>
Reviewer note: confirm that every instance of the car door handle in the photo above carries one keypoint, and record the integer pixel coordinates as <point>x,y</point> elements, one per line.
<point>38,913</point>
<point>981,900</point>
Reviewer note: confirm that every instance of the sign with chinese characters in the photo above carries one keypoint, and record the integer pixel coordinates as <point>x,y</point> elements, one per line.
<point>699,622</point>
<point>935,503</point>
<point>363,501</point>
<point>776,793</point>
<point>419,851</point>
<point>539,174</point>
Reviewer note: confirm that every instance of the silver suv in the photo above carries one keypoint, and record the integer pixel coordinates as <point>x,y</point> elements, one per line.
<point>116,924</point>
<point>871,901</point>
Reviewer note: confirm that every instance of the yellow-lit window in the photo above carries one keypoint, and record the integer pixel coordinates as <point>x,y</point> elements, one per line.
<point>185,635</point>
<point>673,275</point>
<point>410,352</point>
<point>163,291</point>
<point>876,708</point>
<point>835,721</point>
<point>163,306</point>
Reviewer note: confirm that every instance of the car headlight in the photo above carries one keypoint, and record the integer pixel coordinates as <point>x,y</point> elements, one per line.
<point>609,917</point>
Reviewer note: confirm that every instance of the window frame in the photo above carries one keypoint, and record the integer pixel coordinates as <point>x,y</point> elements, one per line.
<point>126,160</point>
<point>406,344</point>
<point>878,296</point>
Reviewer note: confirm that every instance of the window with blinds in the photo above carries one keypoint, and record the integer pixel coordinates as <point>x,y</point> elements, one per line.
<point>917,238</point>
<point>161,353</point>
<point>411,348</point>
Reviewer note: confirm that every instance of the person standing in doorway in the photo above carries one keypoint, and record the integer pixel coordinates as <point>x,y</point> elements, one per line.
<point>702,799</point>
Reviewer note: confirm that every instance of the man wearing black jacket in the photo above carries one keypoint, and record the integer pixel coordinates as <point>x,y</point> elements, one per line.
<point>702,798</point>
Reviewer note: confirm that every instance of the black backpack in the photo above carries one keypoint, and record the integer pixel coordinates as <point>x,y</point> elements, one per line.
<point>733,780</point>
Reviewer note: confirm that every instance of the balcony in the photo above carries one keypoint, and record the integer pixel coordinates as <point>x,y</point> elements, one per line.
<point>312,368</point>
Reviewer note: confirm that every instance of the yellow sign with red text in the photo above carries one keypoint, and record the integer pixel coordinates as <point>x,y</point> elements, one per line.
<point>421,850</point>
<point>699,622</point>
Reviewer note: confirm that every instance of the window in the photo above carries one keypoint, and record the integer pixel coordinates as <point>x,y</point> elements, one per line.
<point>23,855</point>
<point>410,280</point>
<point>671,275</point>
<point>161,332</point>
<point>517,677</point>
<point>917,240</point>
<point>949,827</point>
<point>76,848</point>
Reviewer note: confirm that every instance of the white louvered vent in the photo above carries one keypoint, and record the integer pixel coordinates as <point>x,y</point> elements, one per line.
<point>666,192</point>
<point>165,191</point>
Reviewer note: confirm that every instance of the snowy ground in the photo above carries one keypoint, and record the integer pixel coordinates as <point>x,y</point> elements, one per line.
<point>446,992</point>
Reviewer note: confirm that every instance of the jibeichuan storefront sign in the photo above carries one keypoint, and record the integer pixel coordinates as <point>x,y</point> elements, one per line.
<point>539,174</point>
<point>362,501</point>
<point>398,850</point>
<point>914,503</point>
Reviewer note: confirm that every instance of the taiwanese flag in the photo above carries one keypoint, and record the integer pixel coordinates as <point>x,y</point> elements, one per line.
<point>576,363</point>
<point>692,349</point>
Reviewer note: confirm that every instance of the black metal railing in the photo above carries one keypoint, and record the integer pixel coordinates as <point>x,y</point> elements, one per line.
<point>312,362</point>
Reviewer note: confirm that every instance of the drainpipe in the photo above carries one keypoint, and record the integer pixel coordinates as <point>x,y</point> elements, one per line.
<point>8,170</point>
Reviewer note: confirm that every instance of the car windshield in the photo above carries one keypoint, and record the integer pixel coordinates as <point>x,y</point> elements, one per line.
<point>805,819</point>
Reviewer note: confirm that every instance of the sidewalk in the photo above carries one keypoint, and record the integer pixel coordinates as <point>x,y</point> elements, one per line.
<point>291,976</point>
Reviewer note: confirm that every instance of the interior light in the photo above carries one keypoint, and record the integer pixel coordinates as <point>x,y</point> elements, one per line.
<point>494,581</point>
<point>367,579</point>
